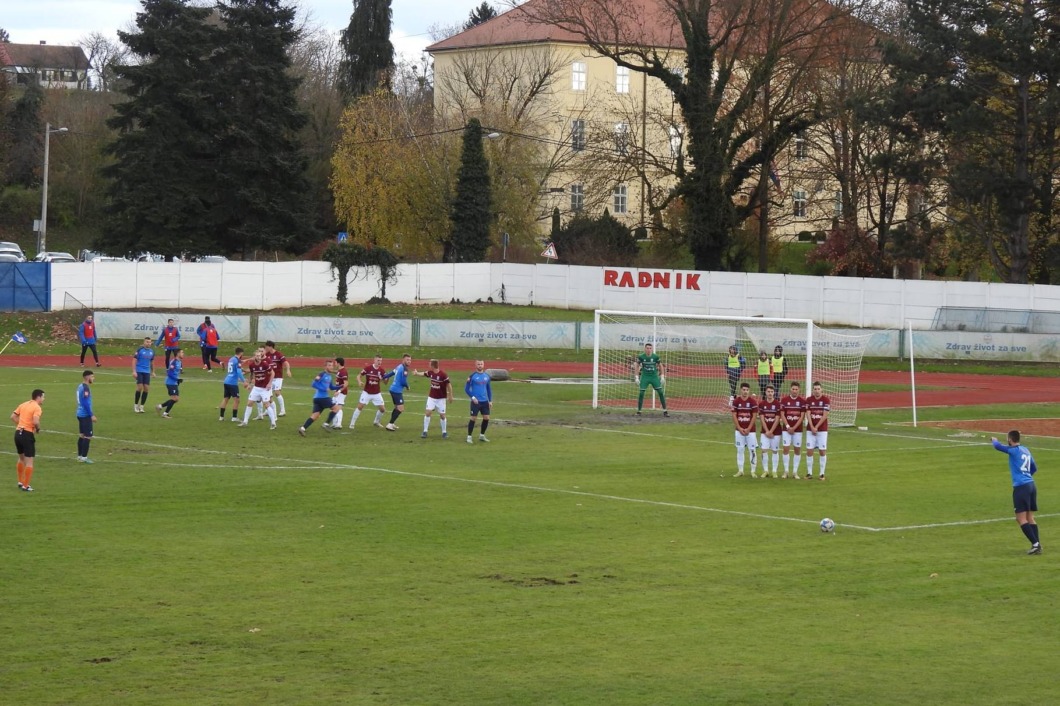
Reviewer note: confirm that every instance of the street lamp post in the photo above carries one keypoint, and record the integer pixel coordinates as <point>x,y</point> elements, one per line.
<point>42,231</point>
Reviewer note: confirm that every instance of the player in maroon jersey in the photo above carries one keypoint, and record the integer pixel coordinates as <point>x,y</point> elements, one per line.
<point>440,393</point>
<point>260,386</point>
<point>817,405</point>
<point>794,410</point>
<point>282,369</point>
<point>744,416</point>
<point>769,412</point>
<point>342,379</point>
<point>370,380</point>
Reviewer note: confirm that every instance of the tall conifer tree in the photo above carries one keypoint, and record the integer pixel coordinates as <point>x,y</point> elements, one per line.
<point>368,55</point>
<point>470,237</point>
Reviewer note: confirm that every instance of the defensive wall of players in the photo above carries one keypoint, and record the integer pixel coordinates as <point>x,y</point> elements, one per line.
<point>352,331</point>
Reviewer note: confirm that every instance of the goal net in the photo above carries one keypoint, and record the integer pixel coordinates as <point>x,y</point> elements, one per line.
<point>695,351</point>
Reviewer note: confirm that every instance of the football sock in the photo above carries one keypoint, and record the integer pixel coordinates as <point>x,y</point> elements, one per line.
<point>221,412</point>
<point>776,461</point>
<point>443,424</point>
<point>308,422</point>
<point>662,397</point>
<point>169,405</point>
<point>809,465</point>
<point>338,417</point>
<point>280,402</point>
<point>824,462</point>
<point>357,413</point>
<point>271,411</point>
<point>787,462</point>
<point>1034,528</point>
<point>1028,531</point>
<point>27,474</point>
<point>80,447</point>
<point>739,458</point>
<point>378,416</point>
<point>394,415</point>
<point>426,423</point>
<point>143,397</point>
<point>485,423</point>
<point>331,417</point>
<point>88,442</point>
<point>798,462</point>
<point>21,472</point>
<point>136,399</point>
<point>640,400</point>
<point>235,412</point>
<point>246,414</point>
<point>261,410</point>
<point>470,427</point>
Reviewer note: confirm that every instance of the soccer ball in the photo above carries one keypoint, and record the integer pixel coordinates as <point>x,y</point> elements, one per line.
<point>827,525</point>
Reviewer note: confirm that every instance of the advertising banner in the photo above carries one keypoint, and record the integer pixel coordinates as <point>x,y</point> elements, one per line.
<point>498,334</point>
<point>136,325</point>
<point>347,332</point>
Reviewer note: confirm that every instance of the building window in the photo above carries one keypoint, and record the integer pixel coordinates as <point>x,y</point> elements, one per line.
<point>676,139</point>
<point>577,197</point>
<point>799,199</point>
<point>621,198</point>
<point>837,208</point>
<point>621,138</point>
<point>802,146</point>
<point>578,76</point>
<point>621,79</point>
<point>577,135</point>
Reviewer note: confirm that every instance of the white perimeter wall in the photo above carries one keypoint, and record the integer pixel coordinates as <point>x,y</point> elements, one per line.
<point>263,286</point>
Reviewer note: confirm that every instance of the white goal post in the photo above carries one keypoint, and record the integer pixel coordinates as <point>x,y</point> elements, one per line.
<point>694,351</point>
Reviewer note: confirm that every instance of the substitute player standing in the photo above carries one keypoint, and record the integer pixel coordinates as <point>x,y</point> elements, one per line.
<point>769,413</point>
<point>651,371</point>
<point>793,406</point>
<point>817,405</point>
<point>261,373</point>
<point>169,337</point>
<point>370,381</point>
<point>744,419</point>
<point>440,393</point>
<point>27,425</point>
<point>143,371</point>
<point>1022,467</point>
<point>480,391</point>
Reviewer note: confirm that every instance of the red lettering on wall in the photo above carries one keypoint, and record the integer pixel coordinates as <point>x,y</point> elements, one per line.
<point>644,279</point>
<point>626,281</point>
<point>610,278</point>
<point>692,282</point>
<point>661,280</point>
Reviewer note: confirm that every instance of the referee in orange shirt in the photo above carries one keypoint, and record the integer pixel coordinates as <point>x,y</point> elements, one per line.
<point>27,424</point>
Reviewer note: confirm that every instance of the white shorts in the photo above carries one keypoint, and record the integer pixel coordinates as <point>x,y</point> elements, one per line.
<point>277,384</point>
<point>436,404</point>
<point>816,440</point>
<point>376,399</point>
<point>750,441</point>
<point>769,444</point>
<point>339,399</point>
<point>260,394</point>
<point>790,439</point>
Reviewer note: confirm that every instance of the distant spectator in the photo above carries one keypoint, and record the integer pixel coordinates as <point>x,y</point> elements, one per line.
<point>86,333</point>
<point>209,339</point>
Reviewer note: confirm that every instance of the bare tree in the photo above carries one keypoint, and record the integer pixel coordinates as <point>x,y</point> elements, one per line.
<point>103,55</point>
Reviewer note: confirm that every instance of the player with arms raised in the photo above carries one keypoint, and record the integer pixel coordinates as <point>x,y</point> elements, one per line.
<point>744,419</point>
<point>650,371</point>
<point>817,405</point>
<point>261,374</point>
<point>370,381</point>
<point>440,393</point>
<point>793,406</point>
<point>769,412</point>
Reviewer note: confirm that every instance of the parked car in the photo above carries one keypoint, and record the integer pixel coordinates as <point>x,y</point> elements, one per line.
<point>7,256</point>
<point>149,257</point>
<point>211,258</point>
<point>52,256</point>
<point>12,248</point>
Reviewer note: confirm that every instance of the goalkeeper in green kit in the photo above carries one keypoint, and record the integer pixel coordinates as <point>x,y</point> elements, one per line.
<point>650,370</point>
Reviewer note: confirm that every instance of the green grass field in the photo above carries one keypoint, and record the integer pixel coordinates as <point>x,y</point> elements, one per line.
<point>582,557</point>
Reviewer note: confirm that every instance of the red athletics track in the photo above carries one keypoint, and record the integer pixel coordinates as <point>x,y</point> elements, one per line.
<point>933,389</point>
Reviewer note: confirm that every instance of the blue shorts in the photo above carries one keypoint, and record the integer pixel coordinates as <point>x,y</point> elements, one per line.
<point>1025,498</point>
<point>173,390</point>
<point>143,378</point>
<point>231,391</point>
<point>398,397</point>
<point>321,403</point>
<point>84,425</point>
<point>483,407</point>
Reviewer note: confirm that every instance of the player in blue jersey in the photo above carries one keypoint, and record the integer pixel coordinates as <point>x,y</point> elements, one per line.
<point>234,377</point>
<point>400,374</point>
<point>323,387</point>
<point>85,415</point>
<point>173,380</point>
<point>1024,493</point>
<point>479,390</point>
<point>143,371</point>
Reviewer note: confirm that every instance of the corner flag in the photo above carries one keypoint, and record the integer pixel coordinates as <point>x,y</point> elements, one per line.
<point>19,337</point>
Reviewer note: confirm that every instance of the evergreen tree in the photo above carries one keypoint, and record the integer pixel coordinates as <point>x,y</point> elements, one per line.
<point>163,194</point>
<point>595,241</point>
<point>4,36</point>
<point>261,182</point>
<point>368,55</point>
<point>25,151</point>
<point>480,14</point>
<point>470,237</point>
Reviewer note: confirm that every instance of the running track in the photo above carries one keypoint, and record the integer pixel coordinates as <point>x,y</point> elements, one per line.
<point>933,389</point>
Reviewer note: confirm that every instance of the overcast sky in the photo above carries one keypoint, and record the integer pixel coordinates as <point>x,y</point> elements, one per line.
<point>66,21</point>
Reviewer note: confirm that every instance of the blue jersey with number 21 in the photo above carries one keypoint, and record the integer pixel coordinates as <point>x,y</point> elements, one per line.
<point>1020,463</point>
